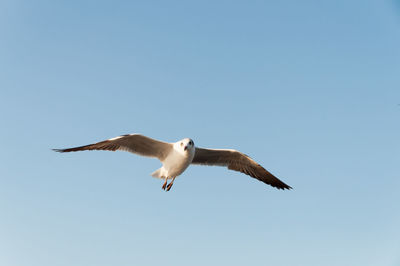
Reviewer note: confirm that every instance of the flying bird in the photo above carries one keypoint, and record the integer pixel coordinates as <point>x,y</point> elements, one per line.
<point>176,157</point>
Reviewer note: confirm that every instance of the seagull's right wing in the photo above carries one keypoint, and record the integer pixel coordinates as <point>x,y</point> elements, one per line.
<point>237,161</point>
<point>134,143</point>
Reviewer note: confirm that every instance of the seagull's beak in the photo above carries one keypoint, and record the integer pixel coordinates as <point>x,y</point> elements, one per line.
<point>185,148</point>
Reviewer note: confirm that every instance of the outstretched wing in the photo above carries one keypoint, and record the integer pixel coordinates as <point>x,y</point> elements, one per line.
<point>134,143</point>
<point>237,161</point>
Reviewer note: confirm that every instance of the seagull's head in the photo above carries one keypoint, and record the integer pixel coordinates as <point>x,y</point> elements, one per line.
<point>185,145</point>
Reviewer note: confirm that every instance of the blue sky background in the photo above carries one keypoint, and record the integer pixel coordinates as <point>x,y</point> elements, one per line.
<point>309,89</point>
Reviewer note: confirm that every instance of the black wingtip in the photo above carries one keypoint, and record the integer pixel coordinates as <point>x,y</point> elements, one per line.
<point>58,150</point>
<point>283,186</point>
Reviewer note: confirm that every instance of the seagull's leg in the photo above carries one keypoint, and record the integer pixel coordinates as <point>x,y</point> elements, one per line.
<point>171,183</point>
<point>165,183</point>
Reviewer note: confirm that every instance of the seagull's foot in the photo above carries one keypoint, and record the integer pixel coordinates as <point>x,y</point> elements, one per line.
<point>169,186</point>
<point>164,185</point>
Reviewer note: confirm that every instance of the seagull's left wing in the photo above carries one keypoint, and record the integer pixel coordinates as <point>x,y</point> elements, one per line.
<point>237,161</point>
<point>134,143</point>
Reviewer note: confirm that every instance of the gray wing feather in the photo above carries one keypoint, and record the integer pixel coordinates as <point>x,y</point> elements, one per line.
<point>134,143</point>
<point>237,161</point>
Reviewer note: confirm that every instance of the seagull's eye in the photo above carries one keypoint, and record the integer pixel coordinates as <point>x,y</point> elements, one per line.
<point>181,143</point>
<point>190,142</point>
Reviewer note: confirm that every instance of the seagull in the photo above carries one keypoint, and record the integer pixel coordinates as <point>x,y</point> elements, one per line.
<point>176,157</point>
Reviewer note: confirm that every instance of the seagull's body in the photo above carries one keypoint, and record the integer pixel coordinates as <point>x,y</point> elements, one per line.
<point>176,162</point>
<point>176,157</point>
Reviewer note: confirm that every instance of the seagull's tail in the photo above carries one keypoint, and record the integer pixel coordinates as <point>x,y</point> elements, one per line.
<point>157,173</point>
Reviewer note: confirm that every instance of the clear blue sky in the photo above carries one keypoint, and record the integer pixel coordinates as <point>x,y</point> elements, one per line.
<point>309,89</point>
